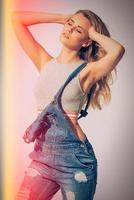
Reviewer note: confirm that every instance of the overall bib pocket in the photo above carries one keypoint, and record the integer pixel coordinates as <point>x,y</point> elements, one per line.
<point>83,157</point>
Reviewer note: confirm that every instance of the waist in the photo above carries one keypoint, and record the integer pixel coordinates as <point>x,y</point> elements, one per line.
<point>61,147</point>
<point>73,115</point>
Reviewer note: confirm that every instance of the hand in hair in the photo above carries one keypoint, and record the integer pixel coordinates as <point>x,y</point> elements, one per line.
<point>65,18</point>
<point>91,31</point>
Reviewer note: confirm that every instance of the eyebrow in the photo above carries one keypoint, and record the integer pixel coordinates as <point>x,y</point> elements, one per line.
<point>78,25</point>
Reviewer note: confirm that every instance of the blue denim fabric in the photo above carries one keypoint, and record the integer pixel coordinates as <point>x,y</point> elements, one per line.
<point>60,160</point>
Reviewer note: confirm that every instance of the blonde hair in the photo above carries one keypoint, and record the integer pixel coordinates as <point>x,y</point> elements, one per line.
<point>100,91</point>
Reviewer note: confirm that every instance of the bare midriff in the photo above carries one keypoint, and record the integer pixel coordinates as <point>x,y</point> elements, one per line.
<point>72,117</point>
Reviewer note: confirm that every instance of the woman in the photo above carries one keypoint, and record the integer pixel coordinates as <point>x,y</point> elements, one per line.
<point>65,159</point>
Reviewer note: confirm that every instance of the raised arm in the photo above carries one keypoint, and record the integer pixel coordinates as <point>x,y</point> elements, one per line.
<point>21,20</point>
<point>114,52</point>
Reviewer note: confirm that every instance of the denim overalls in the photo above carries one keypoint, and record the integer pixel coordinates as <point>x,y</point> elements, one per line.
<point>60,160</point>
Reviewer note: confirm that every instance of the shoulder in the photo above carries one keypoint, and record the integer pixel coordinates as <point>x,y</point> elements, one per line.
<point>45,61</point>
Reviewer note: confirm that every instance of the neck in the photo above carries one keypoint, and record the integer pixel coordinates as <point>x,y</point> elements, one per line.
<point>67,56</point>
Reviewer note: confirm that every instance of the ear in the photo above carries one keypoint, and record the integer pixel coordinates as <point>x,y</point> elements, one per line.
<point>87,43</point>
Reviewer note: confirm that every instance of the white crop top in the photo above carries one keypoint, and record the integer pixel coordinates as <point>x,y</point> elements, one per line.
<point>52,76</point>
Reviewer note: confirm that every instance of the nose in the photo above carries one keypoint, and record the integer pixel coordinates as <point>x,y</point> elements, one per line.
<point>71,29</point>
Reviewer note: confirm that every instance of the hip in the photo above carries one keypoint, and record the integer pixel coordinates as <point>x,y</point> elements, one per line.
<point>68,157</point>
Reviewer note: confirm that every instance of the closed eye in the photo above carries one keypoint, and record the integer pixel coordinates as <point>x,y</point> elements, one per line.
<point>79,31</point>
<point>69,23</point>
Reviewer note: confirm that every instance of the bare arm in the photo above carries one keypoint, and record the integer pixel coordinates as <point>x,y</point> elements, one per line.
<point>21,20</point>
<point>114,52</point>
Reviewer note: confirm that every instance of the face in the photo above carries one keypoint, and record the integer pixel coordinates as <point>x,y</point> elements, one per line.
<point>75,32</point>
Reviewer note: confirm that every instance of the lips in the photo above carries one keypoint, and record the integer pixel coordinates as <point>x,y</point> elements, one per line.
<point>66,35</point>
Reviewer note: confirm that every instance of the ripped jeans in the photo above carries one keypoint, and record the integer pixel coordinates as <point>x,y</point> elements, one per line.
<point>70,167</point>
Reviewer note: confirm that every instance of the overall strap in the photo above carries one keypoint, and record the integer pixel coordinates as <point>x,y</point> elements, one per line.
<point>74,73</point>
<point>70,77</point>
<point>83,113</point>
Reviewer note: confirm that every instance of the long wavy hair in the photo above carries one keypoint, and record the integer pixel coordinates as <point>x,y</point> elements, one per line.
<point>100,92</point>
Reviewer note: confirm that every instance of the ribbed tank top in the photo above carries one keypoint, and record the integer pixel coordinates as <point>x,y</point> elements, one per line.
<point>52,76</point>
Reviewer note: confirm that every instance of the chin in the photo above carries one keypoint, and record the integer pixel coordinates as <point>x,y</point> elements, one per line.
<point>63,36</point>
<point>66,42</point>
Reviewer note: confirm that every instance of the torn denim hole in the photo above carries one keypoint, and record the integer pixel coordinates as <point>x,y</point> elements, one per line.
<point>80,176</point>
<point>70,195</point>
